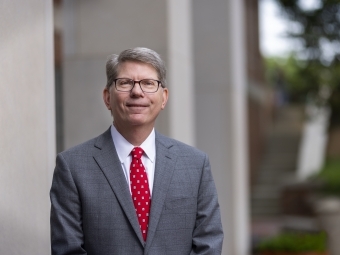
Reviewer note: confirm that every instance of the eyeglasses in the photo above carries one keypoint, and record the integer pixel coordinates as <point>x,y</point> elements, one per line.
<point>146,85</point>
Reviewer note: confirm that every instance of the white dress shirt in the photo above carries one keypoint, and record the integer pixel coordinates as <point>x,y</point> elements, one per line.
<point>124,148</point>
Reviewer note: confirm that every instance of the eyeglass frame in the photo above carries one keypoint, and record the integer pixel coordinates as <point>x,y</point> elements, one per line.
<point>134,83</point>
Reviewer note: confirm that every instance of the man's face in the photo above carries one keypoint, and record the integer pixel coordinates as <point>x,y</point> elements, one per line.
<point>135,108</point>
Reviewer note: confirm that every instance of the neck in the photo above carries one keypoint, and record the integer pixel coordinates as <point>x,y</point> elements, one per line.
<point>135,135</point>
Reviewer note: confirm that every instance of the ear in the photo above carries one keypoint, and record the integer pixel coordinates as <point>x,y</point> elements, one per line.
<point>106,98</point>
<point>165,96</point>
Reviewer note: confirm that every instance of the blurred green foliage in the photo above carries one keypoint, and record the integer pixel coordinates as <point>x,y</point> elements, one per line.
<point>316,27</point>
<point>295,242</point>
<point>330,177</point>
<point>317,64</point>
<point>299,77</point>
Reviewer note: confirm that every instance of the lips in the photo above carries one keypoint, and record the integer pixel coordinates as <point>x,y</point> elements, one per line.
<point>136,108</point>
<point>135,105</point>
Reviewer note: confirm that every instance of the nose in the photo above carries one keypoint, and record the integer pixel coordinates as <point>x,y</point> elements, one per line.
<point>137,89</point>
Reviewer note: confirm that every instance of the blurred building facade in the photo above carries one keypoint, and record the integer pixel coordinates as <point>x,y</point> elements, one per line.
<point>217,98</point>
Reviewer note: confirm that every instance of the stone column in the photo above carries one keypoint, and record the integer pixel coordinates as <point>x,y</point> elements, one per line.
<point>220,108</point>
<point>181,71</point>
<point>27,126</point>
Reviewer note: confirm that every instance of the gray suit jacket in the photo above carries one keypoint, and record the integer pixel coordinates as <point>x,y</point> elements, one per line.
<point>92,211</point>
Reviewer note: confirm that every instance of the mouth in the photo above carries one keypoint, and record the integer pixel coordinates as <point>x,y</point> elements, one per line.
<point>135,105</point>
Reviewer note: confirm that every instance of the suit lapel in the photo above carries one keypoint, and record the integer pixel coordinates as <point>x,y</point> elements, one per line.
<point>164,168</point>
<point>110,165</point>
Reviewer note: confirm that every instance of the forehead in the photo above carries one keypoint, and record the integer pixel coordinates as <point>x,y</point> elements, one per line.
<point>137,68</point>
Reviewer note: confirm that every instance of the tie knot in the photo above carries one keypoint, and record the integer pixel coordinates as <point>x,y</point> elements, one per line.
<point>137,152</point>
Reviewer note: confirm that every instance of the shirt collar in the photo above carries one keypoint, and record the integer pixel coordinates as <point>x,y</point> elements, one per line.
<point>124,148</point>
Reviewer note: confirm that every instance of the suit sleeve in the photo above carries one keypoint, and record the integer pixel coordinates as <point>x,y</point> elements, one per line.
<point>66,221</point>
<point>208,233</point>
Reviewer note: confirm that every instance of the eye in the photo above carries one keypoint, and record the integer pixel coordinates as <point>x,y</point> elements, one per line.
<point>148,82</point>
<point>124,82</point>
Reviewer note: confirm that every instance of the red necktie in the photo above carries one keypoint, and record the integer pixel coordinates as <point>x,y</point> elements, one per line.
<point>140,190</point>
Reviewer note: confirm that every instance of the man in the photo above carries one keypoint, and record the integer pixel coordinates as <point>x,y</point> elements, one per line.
<point>132,190</point>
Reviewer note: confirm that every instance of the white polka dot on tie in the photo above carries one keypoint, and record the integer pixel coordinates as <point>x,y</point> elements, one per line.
<point>142,197</point>
<point>143,209</point>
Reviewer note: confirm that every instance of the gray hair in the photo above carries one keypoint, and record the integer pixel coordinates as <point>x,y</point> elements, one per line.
<point>139,54</point>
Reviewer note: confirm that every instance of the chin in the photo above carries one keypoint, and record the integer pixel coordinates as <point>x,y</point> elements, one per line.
<point>137,122</point>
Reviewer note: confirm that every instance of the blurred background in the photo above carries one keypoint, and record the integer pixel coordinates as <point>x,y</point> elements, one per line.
<point>254,83</point>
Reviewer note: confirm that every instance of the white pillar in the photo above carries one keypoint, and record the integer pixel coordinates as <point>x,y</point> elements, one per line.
<point>238,96</point>
<point>27,126</point>
<point>180,71</point>
<point>220,82</point>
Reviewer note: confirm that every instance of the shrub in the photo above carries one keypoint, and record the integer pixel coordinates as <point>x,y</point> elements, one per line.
<point>294,242</point>
<point>330,177</point>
